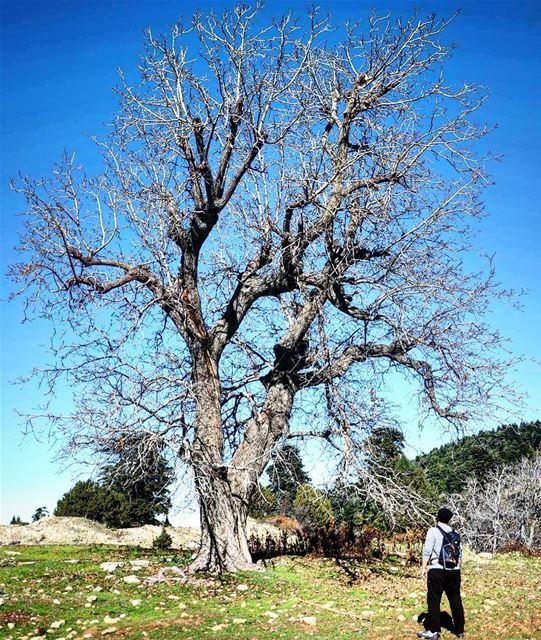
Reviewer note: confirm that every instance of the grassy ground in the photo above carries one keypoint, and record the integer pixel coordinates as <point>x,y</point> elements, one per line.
<point>61,592</point>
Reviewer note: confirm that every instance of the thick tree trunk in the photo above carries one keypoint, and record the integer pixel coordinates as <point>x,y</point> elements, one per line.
<point>224,491</point>
<point>224,542</point>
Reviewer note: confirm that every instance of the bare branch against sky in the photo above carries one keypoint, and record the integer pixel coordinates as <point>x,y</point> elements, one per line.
<point>282,220</point>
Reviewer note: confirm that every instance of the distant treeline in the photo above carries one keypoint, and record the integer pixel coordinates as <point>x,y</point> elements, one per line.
<point>449,467</point>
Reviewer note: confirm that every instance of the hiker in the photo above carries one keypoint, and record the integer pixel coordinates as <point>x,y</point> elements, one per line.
<point>442,556</point>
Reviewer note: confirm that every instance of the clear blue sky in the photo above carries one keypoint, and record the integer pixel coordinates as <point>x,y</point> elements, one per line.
<point>59,64</point>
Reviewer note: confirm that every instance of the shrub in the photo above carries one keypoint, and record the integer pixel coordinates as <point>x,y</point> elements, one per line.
<point>263,503</point>
<point>342,542</point>
<point>312,507</point>
<point>286,523</point>
<point>163,541</point>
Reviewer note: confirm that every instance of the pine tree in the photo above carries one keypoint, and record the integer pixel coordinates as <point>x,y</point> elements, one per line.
<point>286,474</point>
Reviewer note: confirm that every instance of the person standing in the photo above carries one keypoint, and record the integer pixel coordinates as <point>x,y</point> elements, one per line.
<point>442,557</point>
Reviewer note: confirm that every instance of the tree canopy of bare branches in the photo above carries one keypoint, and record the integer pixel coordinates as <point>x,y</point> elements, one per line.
<point>282,219</point>
<point>504,510</point>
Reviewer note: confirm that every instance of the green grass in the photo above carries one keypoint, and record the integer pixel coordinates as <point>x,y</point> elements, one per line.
<point>294,598</point>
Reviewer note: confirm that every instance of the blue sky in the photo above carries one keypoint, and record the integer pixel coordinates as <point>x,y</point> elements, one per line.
<point>59,64</point>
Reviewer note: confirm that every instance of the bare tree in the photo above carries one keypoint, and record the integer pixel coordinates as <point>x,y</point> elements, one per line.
<point>282,220</point>
<point>504,509</point>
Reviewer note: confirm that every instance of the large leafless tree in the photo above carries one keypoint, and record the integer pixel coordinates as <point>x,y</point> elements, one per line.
<point>282,220</point>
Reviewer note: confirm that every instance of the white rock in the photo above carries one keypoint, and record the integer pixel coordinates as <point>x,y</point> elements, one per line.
<point>270,614</point>
<point>239,621</point>
<point>131,580</point>
<point>111,566</point>
<point>57,624</point>
<point>91,598</point>
<point>135,603</point>
<point>140,563</point>
<point>242,587</point>
<point>311,620</point>
<point>109,620</point>
<point>109,631</point>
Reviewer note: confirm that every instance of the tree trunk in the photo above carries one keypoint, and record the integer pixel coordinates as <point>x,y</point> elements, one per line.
<point>224,542</point>
<point>225,490</point>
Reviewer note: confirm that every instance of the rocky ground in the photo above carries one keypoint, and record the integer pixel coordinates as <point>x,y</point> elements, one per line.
<point>129,593</point>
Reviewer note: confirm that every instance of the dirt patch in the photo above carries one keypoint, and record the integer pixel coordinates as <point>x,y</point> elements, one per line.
<point>16,617</point>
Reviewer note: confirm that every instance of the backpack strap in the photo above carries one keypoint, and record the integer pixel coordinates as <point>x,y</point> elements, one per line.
<point>444,534</point>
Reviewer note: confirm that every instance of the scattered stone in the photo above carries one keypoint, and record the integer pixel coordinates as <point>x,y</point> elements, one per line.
<point>109,631</point>
<point>242,587</point>
<point>135,603</point>
<point>91,598</point>
<point>218,627</point>
<point>239,621</point>
<point>140,563</point>
<point>57,624</point>
<point>131,580</point>
<point>413,595</point>
<point>110,567</point>
<point>311,620</point>
<point>56,601</point>
<point>401,618</point>
<point>270,614</point>
<point>109,620</point>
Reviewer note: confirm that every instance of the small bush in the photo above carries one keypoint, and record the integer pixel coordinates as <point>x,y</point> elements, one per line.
<point>263,503</point>
<point>341,542</point>
<point>286,523</point>
<point>163,541</point>
<point>313,507</point>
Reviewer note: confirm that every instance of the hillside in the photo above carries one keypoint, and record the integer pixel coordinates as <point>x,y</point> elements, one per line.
<point>448,467</point>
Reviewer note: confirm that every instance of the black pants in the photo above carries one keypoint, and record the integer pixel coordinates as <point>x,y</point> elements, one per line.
<point>440,581</point>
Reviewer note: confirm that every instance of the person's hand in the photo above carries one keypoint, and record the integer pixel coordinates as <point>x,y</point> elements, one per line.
<point>423,572</point>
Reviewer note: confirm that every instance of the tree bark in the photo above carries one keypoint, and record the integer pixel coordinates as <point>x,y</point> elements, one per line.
<point>224,541</point>
<point>224,491</point>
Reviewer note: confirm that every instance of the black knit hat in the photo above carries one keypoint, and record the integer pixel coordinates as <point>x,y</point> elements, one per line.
<point>444,515</point>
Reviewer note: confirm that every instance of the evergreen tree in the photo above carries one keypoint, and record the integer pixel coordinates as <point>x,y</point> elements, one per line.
<point>286,474</point>
<point>450,466</point>
<point>39,513</point>
<point>87,499</point>
<point>143,479</point>
<point>357,506</point>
